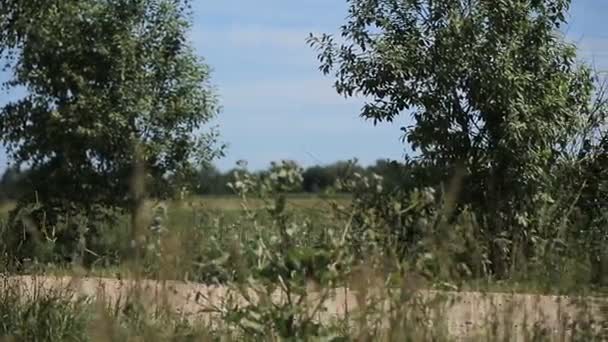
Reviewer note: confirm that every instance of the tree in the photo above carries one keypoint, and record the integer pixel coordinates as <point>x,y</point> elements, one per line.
<point>395,174</point>
<point>321,177</point>
<point>11,183</point>
<point>317,178</point>
<point>210,181</point>
<point>492,86</point>
<point>108,83</point>
<point>585,179</point>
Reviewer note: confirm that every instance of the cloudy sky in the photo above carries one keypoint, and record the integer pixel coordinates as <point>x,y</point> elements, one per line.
<point>277,105</point>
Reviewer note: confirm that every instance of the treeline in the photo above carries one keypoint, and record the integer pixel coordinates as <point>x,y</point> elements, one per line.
<point>315,179</point>
<point>211,181</point>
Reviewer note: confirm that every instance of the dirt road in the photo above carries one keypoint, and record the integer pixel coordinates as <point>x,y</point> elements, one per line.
<point>466,314</point>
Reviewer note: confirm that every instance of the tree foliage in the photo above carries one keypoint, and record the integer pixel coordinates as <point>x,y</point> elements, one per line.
<point>492,86</point>
<point>111,87</point>
<point>102,77</point>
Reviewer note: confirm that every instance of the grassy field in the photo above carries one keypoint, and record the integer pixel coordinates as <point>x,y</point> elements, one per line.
<point>233,202</point>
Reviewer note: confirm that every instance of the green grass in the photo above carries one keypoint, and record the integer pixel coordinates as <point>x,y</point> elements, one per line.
<point>232,202</point>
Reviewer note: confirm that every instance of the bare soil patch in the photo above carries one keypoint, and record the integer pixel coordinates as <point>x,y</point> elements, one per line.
<point>465,314</point>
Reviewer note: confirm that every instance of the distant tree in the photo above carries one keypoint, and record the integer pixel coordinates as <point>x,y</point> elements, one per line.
<point>345,168</point>
<point>11,183</point>
<point>210,181</point>
<point>109,83</point>
<point>320,177</point>
<point>316,179</point>
<point>395,174</point>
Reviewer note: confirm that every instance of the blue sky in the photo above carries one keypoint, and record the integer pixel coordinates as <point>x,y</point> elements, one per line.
<point>277,105</point>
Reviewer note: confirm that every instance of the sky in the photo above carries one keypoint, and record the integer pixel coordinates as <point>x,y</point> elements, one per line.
<point>276,104</point>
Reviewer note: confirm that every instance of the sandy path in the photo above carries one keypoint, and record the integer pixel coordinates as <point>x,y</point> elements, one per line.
<point>466,316</point>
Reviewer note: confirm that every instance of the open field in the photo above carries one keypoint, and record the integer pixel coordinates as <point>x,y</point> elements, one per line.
<point>232,202</point>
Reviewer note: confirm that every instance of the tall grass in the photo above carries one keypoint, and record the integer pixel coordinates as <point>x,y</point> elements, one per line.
<point>272,269</point>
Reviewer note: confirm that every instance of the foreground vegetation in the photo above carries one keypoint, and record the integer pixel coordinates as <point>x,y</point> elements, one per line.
<point>275,246</point>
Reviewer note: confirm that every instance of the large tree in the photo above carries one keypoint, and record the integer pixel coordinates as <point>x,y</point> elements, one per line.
<point>107,83</point>
<point>491,85</point>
